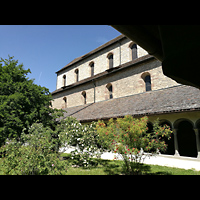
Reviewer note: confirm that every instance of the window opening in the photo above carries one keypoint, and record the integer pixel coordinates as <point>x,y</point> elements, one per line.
<point>64,80</point>
<point>110,58</point>
<point>92,68</point>
<point>84,97</point>
<point>134,51</point>
<point>147,81</point>
<point>65,102</point>
<point>110,91</point>
<point>77,75</point>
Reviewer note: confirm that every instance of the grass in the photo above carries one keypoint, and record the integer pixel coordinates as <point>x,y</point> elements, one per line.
<point>114,167</point>
<point>110,167</point>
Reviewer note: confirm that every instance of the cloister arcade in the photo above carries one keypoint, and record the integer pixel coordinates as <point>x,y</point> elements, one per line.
<point>185,140</point>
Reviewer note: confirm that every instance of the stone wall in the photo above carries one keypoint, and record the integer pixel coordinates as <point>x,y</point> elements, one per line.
<point>127,81</point>
<point>121,54</point>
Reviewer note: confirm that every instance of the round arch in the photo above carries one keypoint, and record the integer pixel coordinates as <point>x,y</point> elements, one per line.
<point>186,137</point>
<point>83,93</point>
<point>176,123</point>
<point>109,54</point>
<point>91,63</point>
<point>108,85</point>
<point>165,121</point>
<point>131,44</point>
<point>170,143</point>
<point>143,75</point>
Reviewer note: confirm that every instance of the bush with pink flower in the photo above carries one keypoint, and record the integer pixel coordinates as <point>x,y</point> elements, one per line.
<point>128,138</point>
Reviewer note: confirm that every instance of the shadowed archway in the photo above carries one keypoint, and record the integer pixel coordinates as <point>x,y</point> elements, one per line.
<point>186,138</point>
<point>170,143</point>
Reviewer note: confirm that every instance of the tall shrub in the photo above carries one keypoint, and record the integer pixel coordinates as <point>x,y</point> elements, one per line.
<point>86,140</point>
<point>128,137</point>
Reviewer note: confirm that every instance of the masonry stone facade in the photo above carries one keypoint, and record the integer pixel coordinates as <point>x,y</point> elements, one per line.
<point>125,81</point>
<point>121,53</point>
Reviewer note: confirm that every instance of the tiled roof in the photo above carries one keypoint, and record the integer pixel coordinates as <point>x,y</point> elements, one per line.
<point>174,99</point>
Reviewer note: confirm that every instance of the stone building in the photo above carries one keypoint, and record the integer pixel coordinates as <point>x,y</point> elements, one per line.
<point>120,78</point>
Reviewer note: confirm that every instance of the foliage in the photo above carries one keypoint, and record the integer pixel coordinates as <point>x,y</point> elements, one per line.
<point>85,138</point>
<point>34,154</point>
<point>128,138</point>
<point>22,102</point>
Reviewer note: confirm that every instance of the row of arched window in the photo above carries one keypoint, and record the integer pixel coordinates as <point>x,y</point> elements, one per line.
<point>109,88</point>
<point>110,57</point>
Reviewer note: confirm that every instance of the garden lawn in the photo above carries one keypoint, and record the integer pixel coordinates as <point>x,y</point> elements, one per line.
<point>114,167</point>
<point>111,167</point>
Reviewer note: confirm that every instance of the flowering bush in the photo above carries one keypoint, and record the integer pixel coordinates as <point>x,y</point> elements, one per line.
<point>86,139</point>
<point>33,154</point>
<point>128,138</point>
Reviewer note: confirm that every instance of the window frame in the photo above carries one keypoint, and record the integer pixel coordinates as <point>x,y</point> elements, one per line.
<point>76,75</point>
<point>110,57</point>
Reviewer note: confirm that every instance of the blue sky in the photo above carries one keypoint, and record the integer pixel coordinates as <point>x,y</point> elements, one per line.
<point>45,49</point>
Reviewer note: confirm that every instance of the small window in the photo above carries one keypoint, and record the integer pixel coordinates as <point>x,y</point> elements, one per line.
<point>110,59</point>
<point>64,80</point>
<point>84,97</point>
<point>110,90</point>
<point>147,81</point>
<point>133,48</point>
<point>65,102</point>
<point>76,75</point>
<point>92,68</point>
<point>134,51</point>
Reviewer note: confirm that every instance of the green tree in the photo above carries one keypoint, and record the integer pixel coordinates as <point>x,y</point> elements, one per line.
<point>33,154</point>
<point>22,102</point>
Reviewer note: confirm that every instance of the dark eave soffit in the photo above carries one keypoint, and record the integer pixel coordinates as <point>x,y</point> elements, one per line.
<point>177,47</point>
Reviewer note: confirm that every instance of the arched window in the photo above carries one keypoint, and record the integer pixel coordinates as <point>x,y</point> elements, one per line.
<point>147,79</point>
<point>64,80</point>
<point>84,97</point>
<point>110,60</point>
<point>92,68</point>
<point>76,75</point>
<point>133,48</point>
<point>65,102</point>
<point>110,90</point>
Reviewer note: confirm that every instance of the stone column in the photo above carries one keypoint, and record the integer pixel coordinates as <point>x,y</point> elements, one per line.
<point>197,142</point>
<point>175,142</point>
